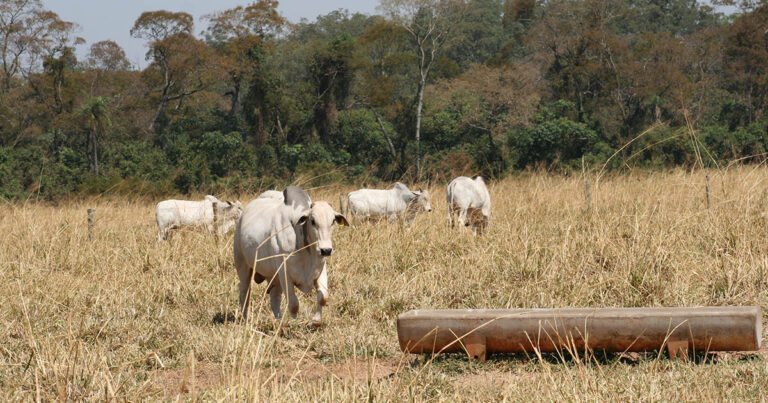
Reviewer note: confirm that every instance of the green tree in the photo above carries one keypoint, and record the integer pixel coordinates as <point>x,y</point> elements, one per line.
<point>332,68</point>
<point>241,36</point>
<point>181,65</point>
<point>431,24</point>
<point>95,111</point>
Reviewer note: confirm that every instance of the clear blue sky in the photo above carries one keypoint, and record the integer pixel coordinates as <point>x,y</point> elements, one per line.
<point>112,19</point>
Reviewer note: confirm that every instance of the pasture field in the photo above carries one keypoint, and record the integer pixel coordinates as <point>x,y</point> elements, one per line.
<point>122,316</point>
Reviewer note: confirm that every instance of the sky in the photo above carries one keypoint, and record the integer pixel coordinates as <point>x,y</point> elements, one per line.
<point>112,19</point>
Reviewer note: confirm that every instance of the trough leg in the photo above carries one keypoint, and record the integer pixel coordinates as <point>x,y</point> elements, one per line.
<point>678,349</point>
<point>475,346</point>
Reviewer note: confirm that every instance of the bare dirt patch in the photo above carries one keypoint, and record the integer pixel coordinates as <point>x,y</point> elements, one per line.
<point>204,376</point>
<point>208,375</point>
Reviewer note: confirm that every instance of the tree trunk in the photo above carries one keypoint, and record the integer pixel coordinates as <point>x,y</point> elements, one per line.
<point>180,103</point>
<point>163,99</point>
<point>386,135</point>
<point>419,104</point>
<point>160,109</point>
<point>235,99</point>
<point>280,129</point>
<point>261,134</point>
<point>88,152</point>
<point>58,99</point>
<point>95,154</point>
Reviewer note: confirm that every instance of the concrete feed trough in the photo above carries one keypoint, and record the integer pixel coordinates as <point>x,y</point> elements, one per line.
<point>481,331</point>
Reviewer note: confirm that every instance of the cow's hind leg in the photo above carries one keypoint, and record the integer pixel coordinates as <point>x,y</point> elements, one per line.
<point>463,218</point>
<point>293,300</point>
<point>245,275</point>
<point>275,298</point>
<point>168,231</point>
<point>245,290</point>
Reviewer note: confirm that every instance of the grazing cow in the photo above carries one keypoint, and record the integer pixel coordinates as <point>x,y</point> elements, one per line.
<point>286,243</point>
<point>172,214</point>
<point>294,192</point>
<point>271,194</point>
<point>374,203</point>
<point>471,200</point>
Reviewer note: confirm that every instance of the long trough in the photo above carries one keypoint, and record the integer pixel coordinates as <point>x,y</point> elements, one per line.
<point>481,331</point>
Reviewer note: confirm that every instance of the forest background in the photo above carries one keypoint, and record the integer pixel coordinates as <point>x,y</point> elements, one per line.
<point>243,100</point>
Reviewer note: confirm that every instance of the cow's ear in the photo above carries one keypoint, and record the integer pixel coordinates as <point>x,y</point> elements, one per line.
<point>341,220</point>
<point>302,219</point>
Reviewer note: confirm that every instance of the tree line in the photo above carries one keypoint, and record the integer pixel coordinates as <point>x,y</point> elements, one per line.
<point>424,90</point>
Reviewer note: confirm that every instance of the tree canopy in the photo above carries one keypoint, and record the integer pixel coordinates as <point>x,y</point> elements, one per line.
<point>427,89</point>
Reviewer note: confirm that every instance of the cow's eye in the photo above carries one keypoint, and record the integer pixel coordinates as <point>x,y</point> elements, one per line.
<point>313,222</point>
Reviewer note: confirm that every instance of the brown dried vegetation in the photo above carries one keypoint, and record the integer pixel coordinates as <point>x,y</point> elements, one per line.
<point>122,316</point>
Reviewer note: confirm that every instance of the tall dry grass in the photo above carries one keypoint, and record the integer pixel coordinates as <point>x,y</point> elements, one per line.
<point>123,316</point>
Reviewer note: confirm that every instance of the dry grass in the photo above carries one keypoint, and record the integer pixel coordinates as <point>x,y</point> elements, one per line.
<point>123,316</point>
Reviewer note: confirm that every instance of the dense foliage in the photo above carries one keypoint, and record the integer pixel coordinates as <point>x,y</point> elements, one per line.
<point>428,88</point>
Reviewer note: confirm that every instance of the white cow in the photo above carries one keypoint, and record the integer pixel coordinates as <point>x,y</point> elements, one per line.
<point>470,198</point>
<point>271,194</point>
<point>278,195</point>
<point>286,242</point>
<point>374,203</point>
<point>172,214</point>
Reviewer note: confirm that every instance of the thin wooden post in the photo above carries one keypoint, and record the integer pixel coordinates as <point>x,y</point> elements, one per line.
<point>90,222</point>
<point>588,194</point>
<point>708,202</point>
<point>341,204</point>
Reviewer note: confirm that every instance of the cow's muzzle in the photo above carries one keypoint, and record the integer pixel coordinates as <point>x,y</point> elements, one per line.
<point>326,251</point>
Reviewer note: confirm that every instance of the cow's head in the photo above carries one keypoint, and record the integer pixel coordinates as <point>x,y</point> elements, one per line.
<point>318,227</point>
<point>231,209</point>
<point>423,199</point>
<point>478,219</point>
<point>228,213</point>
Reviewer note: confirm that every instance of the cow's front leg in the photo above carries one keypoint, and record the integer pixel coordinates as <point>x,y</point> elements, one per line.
<point>321,284</point>
<point>290,293</point>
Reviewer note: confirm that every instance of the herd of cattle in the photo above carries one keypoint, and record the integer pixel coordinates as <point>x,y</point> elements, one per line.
<point>285,237</point>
